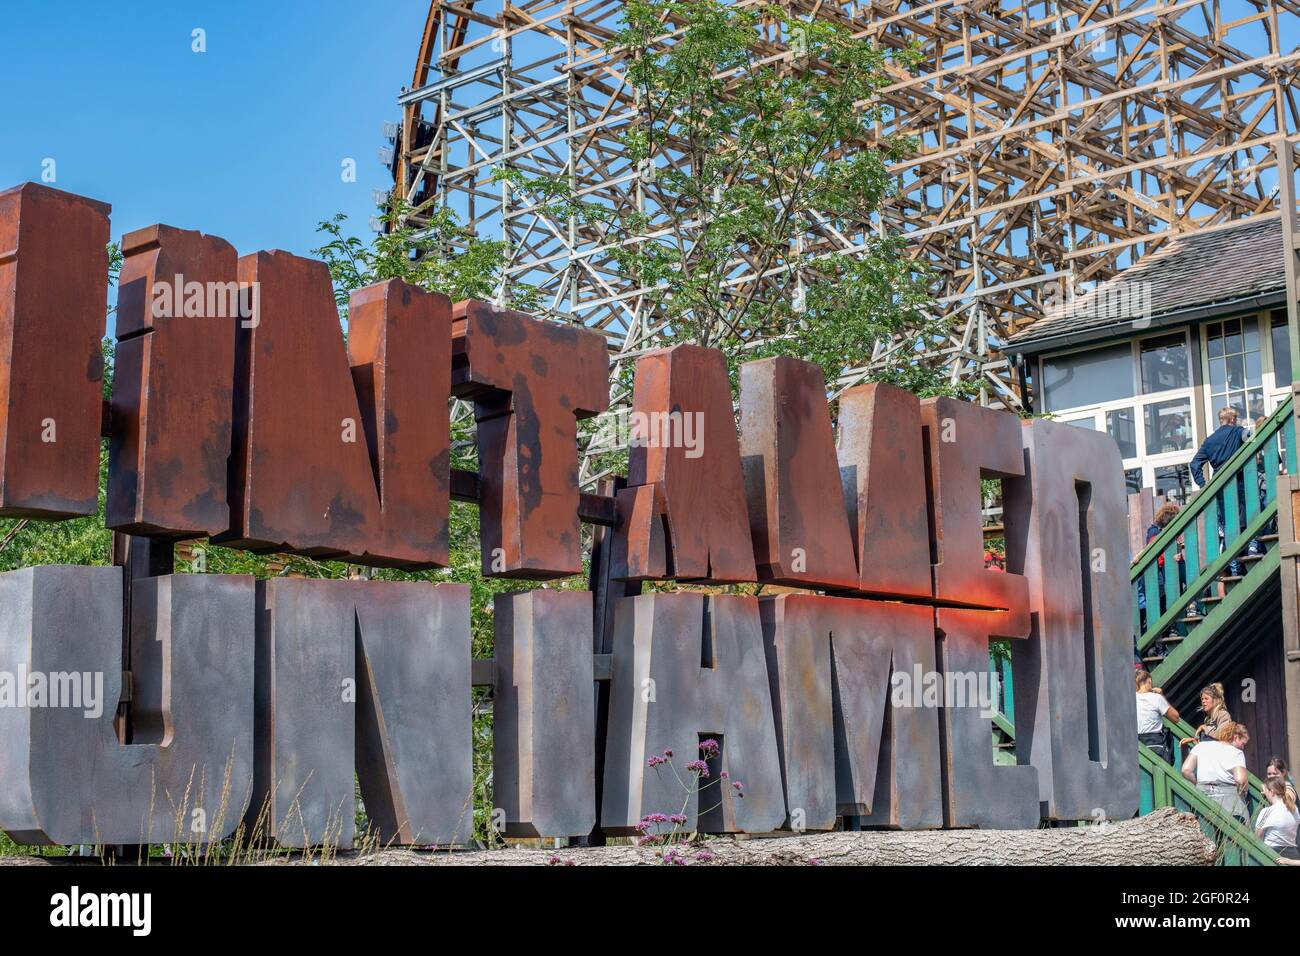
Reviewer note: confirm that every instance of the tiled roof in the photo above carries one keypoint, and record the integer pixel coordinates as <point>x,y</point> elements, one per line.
<point>1221,266</point>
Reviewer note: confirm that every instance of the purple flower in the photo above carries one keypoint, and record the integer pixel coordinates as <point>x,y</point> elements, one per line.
<point>668,752</point>
<point>678,818</point>
<point>709,747</point>
<point>656,761</point>
<point>704,856</point>
<point>650,820</point>
<point>738,785</point>
<point>698,766</point>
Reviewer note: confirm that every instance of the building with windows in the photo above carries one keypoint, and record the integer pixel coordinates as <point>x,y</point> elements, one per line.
<point>1153,354</point>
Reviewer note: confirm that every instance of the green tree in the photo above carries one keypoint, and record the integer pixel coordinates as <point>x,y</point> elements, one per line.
<point>739,160</point>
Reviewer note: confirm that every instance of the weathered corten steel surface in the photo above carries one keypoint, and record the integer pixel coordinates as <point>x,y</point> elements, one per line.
<point>172,384</point>
<point>684,444</point>
<point>413,744</point>
<point>966,443</point>
<point>386,663</point>
<point>67,779</point>
<point>53,300</point>
<point>845,748</point>
<point>687,667</point>
<point>399,347</point>
<point>792,479</point>
<point>530,382</point>
<point>1066,530</point>
<point>303,779</point>
<point>882,470</point>
<point>302,476</point>
<point>544,713</point>
<point>976,792</point>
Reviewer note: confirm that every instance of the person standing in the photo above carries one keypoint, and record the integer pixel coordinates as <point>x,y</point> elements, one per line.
<point>1276,823</point>
<point>1218,768</point>
<point>1151,708</point>
<point>1215,709</point>
<point>1216,450</point>
<point>1277,771</point>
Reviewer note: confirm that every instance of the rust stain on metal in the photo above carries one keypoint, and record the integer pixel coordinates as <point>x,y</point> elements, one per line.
<point>530,382</point>
<point>318,438</point>
<point>177,309</point>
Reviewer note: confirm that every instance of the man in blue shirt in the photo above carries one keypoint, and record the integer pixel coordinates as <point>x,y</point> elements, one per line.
<point>1219,447</point>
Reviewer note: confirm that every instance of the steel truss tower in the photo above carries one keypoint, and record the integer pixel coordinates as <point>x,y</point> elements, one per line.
<point>1058,140</point>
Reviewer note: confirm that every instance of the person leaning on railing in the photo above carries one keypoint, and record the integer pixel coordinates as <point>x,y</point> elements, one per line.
<point>1151,709</point>
<point>1218,768</point>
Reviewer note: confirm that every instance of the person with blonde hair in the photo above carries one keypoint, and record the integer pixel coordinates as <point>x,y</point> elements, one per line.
<point>1151,709</point>
<point>1276,823</point>
<point>1219,448</point>
<point>1215,708</point>
<point>1218,768</point>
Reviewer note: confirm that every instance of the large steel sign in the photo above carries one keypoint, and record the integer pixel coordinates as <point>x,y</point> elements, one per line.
<point>239,413</point>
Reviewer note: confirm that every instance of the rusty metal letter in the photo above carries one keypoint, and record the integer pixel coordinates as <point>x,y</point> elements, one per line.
<point>414,760</point>
<point>689,667</point>
<point>187,775</point>
<point>177,309</point>
<point>1073,677</point>
<point>398,650</point>
<point>53,300</point>
<point>317,443</point>
<point>792,479</point>
<point>686,488</point>
<point>530,381</point>
<point>978,793</point>
<point>303,790</point>
<point>846,747</point>
<point>544,716</point>
<point>966,443</point>
<point>882,468</point>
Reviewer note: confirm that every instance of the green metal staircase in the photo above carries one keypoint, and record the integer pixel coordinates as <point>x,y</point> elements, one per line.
<point>1162,785</point>
<point>1200,591</point>
<point>1198,587</point>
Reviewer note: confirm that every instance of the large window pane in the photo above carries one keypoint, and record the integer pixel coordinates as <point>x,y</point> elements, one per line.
<point>1236,379</point>
<point>1121,424</point>
<point>1164,364</point>
<point>1169,426</point>
<point>1133,480</point>
<point>1088,378</point>
<point>1281,351</point>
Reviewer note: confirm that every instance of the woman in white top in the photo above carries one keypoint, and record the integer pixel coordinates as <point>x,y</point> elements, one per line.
<point>1218,768</point>
<point>1151,707</point>
<point>1276,823</point>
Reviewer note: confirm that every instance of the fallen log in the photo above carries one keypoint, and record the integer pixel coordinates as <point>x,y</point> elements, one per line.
<point>1164,838</point>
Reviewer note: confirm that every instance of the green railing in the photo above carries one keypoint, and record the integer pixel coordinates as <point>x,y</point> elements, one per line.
<point>1163,785</point>
<point>1177,609</point>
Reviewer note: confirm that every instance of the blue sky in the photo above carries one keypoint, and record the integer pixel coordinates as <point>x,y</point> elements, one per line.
<point>245,141</point>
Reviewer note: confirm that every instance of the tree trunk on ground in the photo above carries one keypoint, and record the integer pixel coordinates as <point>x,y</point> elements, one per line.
<point>1163,838</point>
